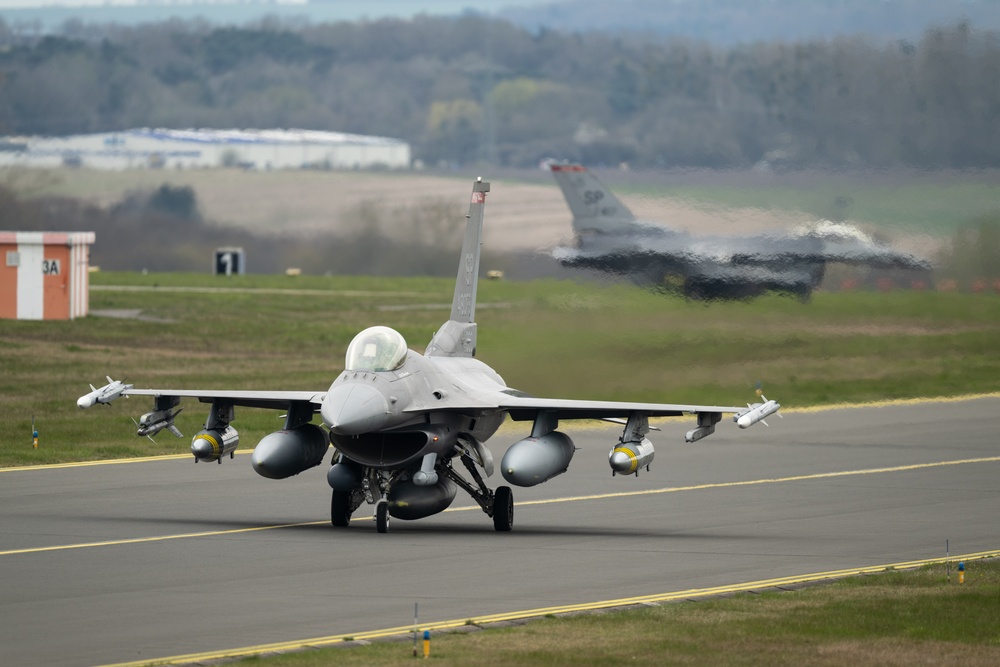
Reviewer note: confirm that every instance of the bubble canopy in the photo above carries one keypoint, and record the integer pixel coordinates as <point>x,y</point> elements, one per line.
<point>376,349</point>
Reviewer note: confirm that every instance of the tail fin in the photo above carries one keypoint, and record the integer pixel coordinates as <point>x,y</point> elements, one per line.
<point>457,336</point>
<point>594,206</point>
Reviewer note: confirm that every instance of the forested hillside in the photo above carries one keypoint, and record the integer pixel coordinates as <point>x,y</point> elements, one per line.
<point>474,89</point>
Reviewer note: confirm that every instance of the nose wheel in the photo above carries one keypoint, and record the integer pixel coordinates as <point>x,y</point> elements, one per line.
<point>382,516</point>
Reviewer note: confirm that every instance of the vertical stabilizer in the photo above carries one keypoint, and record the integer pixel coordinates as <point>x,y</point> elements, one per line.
<point>595,208</point>
<point>457,336</point>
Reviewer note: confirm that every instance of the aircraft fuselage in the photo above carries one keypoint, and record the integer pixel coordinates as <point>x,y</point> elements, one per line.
<point>392,419</point>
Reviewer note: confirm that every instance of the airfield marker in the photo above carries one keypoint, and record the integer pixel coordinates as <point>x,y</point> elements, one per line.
<point>34,434</point>
<point>427,644</point>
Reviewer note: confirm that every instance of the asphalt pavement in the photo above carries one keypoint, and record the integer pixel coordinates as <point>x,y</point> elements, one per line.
<point>138,561</point>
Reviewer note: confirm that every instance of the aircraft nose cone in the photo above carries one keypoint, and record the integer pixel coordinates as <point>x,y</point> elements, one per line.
<point>354,408</point>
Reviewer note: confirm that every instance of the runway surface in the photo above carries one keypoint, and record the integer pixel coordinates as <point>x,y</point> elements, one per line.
<point>138,561</point>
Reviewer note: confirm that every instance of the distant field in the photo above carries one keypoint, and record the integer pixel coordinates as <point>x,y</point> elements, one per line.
<point>550,338</point>
<point>527,211</point>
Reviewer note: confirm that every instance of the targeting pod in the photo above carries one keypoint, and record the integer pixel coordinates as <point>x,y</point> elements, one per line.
<point>628,457</point>
<point>343,476</point>
<point>408,500</point>
<point>213,444</point>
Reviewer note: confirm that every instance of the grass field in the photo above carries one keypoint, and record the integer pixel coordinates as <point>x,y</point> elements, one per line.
<point>549,338</point>
<point>900,203</point>
<point>894,618</point>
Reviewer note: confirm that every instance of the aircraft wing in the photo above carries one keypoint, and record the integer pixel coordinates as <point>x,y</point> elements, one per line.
<point>876,257</point>
<point>276,400</point>
<point>523,408</point>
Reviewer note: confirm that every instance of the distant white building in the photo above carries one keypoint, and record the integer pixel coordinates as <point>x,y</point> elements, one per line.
<point>251,149</point>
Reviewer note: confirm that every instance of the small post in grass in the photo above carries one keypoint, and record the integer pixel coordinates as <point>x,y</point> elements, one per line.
<point>947,562</point>
<point>416,607</point>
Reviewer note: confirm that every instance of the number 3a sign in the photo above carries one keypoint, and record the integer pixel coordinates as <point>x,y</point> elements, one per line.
<point>50,267</point>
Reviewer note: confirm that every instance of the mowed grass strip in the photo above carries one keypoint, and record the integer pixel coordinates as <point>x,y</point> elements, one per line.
<point>549,338</point>
<point>893,618</point>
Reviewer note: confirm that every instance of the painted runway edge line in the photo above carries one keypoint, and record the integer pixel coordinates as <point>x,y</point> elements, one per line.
<point>479,621</point>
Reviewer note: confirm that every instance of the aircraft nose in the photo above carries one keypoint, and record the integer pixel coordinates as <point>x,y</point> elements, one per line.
<point>353,408</point>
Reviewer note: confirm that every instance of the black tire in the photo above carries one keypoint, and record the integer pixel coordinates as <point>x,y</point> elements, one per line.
<point>382,517</point>
<point>503,509</point>
<point>340,509</point>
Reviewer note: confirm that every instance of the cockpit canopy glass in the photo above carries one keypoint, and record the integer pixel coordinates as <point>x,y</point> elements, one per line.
<point>376,349</point>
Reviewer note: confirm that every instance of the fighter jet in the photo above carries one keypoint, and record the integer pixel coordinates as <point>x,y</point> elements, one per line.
<point>410,429</point>
<point>610,239</point>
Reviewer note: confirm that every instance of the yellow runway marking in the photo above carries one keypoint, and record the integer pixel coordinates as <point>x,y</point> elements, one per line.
<point>155,538</point>
<point>757,482</point>
<point>108,462</point>
<point>547,501</point>
<point>406,630</point>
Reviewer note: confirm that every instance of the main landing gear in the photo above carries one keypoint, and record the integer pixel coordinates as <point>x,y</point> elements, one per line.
<point>373,486</point>
<point>503,509</point>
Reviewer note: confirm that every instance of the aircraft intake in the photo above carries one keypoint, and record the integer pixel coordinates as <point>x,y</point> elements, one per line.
<point>396,449</point>
<point>288,452</point>
<point>537,459</point>
<point>627,457</point>
<point>213,444</point>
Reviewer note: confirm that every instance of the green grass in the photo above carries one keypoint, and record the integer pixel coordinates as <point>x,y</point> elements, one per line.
<point>550,338</point>
<point>894,618</point>
<point>934,204</point>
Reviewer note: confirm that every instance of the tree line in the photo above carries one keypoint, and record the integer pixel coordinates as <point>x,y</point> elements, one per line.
<point>478,90</point>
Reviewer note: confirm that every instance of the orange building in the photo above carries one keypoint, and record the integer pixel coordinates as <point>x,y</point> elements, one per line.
<point>45,275</point>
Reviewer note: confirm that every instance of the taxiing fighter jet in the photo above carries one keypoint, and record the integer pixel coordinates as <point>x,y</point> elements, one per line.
<point>609,238</point>
<point>405,424</point>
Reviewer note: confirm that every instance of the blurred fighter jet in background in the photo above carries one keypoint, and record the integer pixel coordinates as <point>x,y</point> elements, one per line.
<point>611,239</point>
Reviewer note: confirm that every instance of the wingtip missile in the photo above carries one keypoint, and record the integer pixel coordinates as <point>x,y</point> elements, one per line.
<point>756,413</point>
<point>109,392</point>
